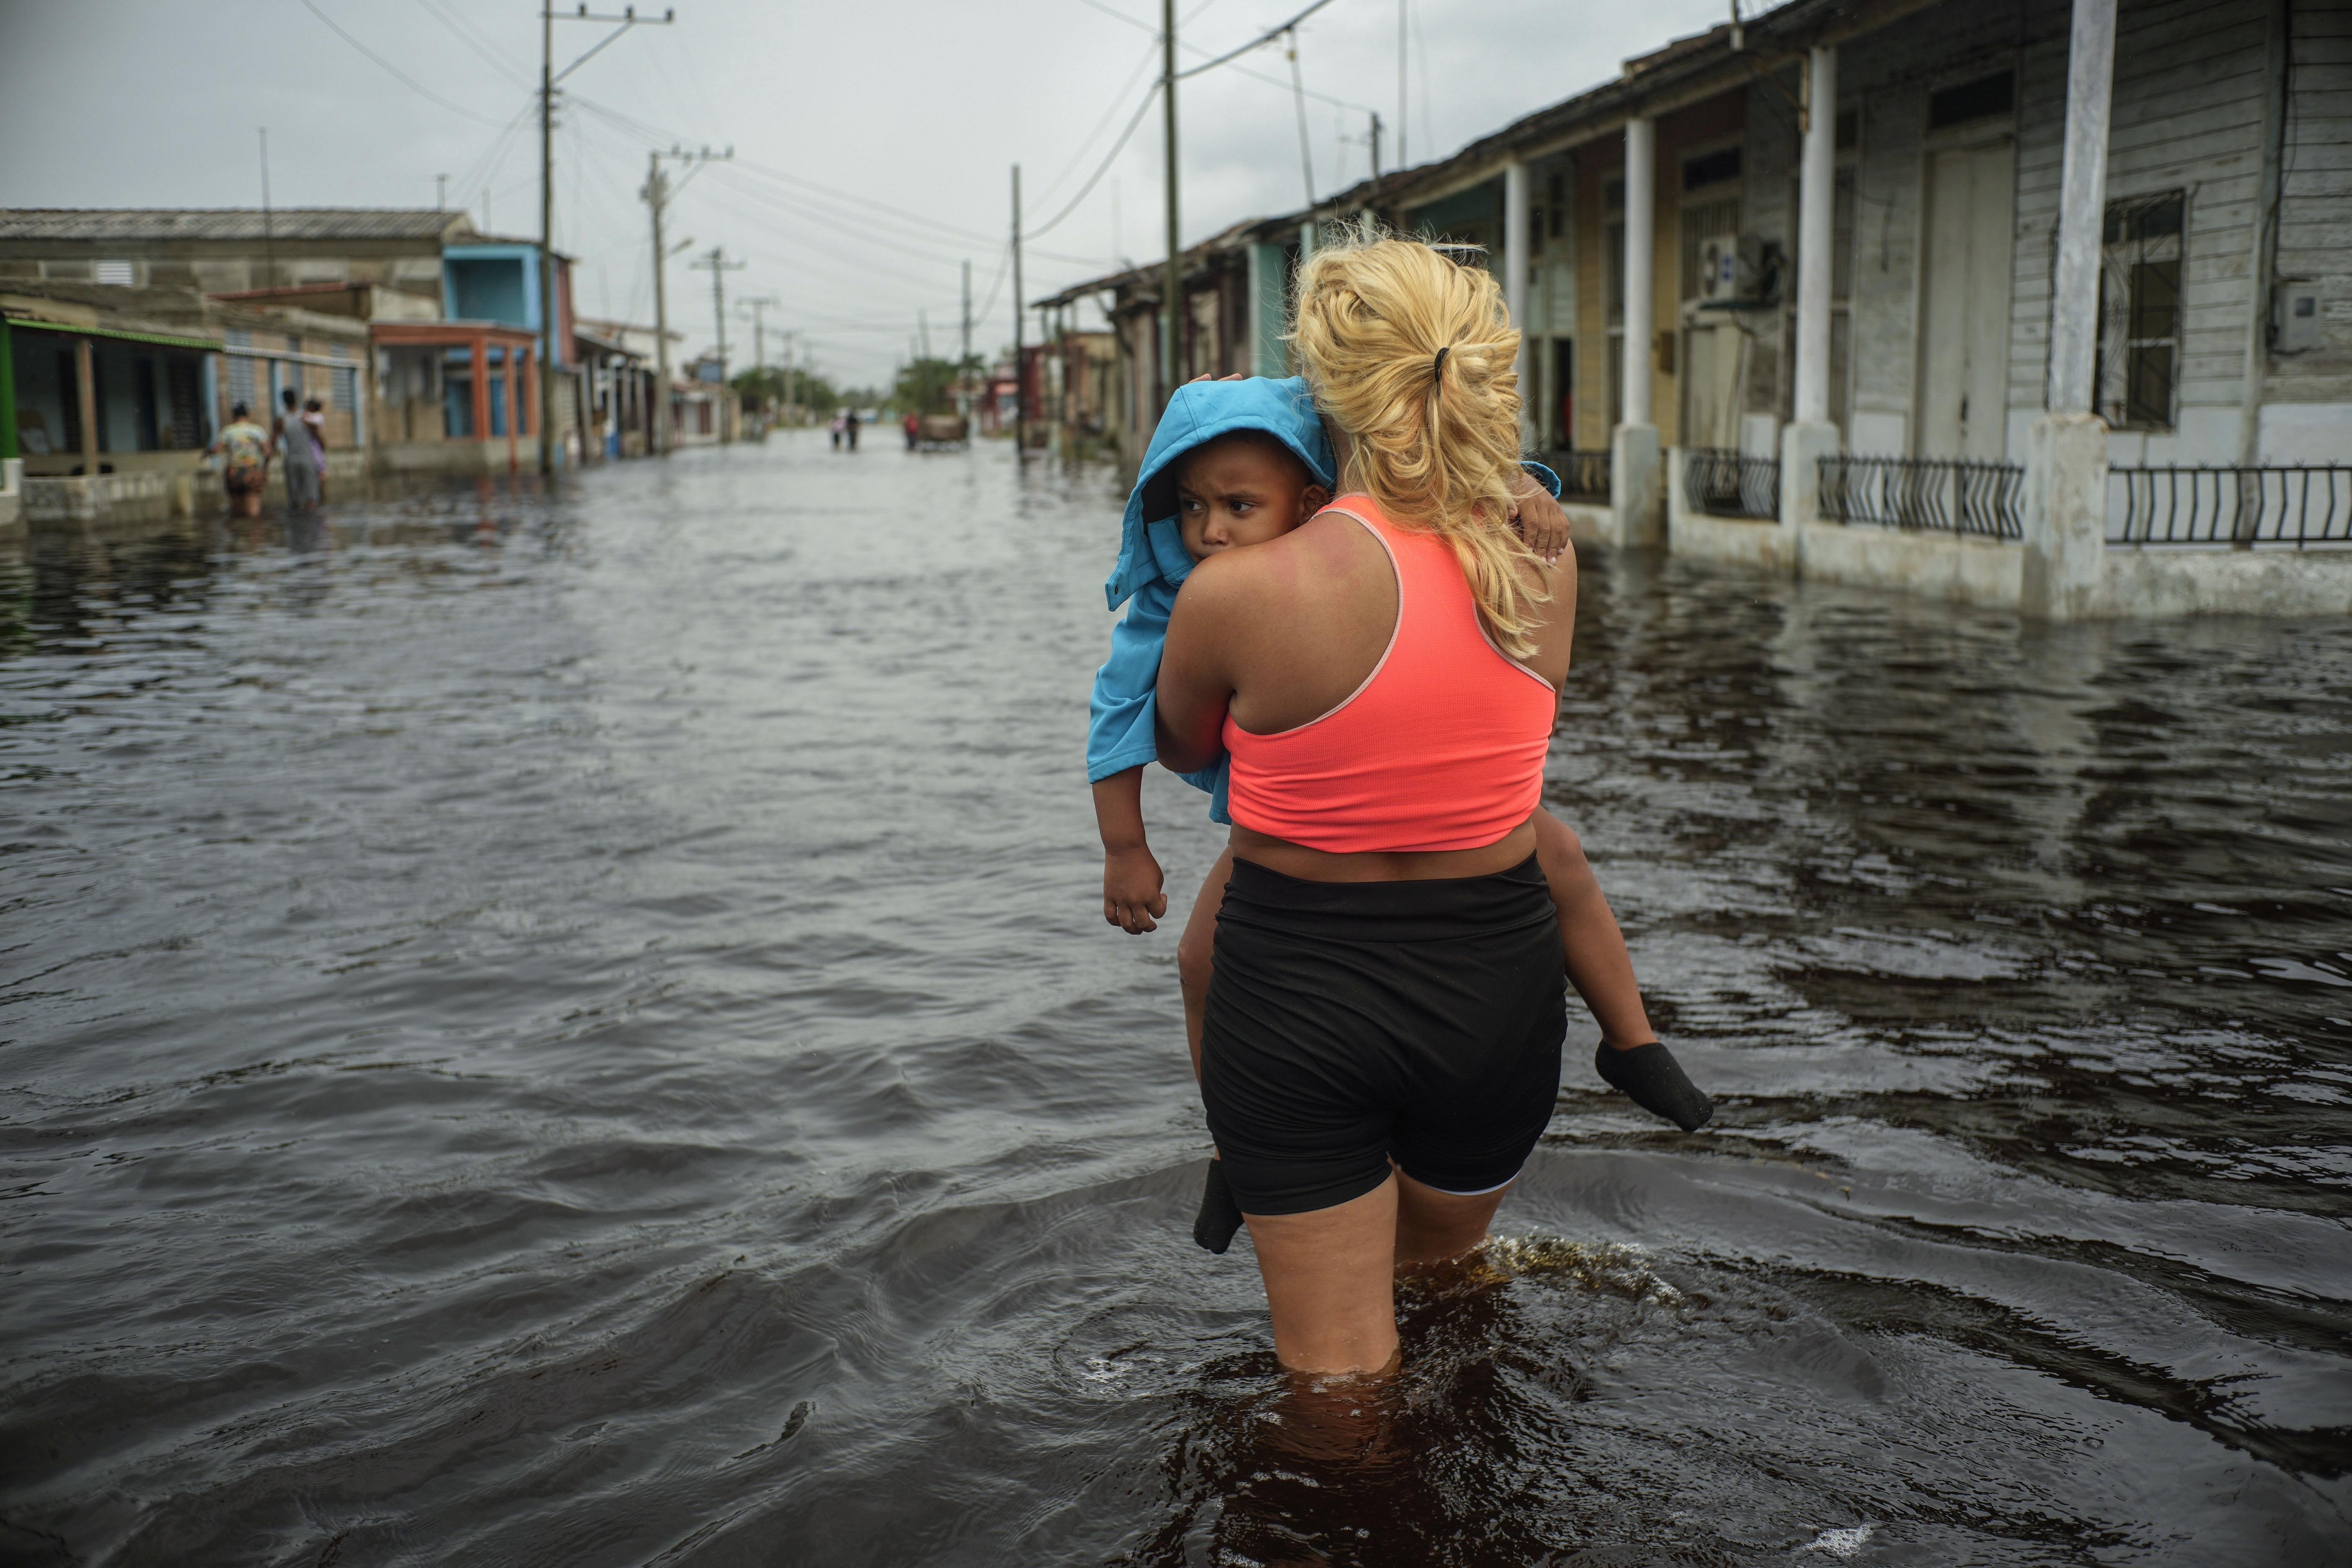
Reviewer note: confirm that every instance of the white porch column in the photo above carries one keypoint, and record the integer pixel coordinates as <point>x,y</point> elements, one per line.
<point>1640,219</point>
<point>1816,199</point>
<point>1811,436</point>
<point>2067,450</point>
<point>1514,284</point>
<point>2082,209</point>
<point>1634,493</point>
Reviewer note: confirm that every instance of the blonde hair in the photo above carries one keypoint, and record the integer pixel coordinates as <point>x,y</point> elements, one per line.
<point>1412,355</point>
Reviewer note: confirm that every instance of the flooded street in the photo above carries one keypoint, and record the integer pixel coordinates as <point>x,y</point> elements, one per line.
<point>581,1031</point>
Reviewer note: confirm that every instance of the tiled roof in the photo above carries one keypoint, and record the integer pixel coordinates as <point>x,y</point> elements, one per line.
<point>150,225</point>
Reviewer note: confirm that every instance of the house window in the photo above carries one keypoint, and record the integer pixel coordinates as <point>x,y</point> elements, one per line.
<point>118,273</point>
<point>2140,311</point>
<point>1711,168</point>
<point>1979,100</point>
<point>345,380</point>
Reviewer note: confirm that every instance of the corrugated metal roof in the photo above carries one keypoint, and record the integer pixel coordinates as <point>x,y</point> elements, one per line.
<point>154,225</point>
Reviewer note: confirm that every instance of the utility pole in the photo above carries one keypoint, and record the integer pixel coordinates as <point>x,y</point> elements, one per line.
<point>441,192</point>
<point>1171,283</point>
<point>1401,154</point>
<point>1298,90</point>
<point>964,363</point>
<point>1375,149</point>
<point>923,330</point>
<point>658,193</point>
<point>1020,371</point>
<point>718,267</point>
<point>269,239</point>
<point>759,332</point>
<point>548,77</point>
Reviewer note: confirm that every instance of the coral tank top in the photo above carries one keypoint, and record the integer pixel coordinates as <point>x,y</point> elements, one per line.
<point>1443,745</point>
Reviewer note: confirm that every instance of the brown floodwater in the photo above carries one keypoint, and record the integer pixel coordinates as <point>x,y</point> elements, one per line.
<point>578,1031</point>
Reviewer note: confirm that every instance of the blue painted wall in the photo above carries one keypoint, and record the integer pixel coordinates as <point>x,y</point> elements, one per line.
<point>491,283</point>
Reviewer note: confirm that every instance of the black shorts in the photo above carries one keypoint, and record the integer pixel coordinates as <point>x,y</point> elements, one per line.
<point>1351,1024</point>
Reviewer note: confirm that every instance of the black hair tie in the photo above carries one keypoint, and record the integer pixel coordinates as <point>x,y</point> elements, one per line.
<point>1438,374</point>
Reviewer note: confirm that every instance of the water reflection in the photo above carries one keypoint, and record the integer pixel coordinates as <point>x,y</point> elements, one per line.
<point>574,1029</point>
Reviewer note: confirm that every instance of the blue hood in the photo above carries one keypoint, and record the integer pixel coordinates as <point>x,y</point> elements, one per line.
<point>1150,548</point>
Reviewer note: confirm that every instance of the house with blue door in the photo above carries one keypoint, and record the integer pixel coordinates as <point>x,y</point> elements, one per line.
<point>462,394</point>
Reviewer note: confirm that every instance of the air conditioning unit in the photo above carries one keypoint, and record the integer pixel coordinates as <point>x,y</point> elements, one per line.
<point>1737,270</point>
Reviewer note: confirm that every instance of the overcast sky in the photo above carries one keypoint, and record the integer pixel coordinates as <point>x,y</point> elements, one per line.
<point>920,106</point>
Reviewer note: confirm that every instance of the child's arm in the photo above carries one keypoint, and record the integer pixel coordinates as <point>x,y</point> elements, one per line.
<point>1131,879</point>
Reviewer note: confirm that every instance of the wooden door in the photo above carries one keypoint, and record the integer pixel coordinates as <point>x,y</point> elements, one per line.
<point>1964,305</point>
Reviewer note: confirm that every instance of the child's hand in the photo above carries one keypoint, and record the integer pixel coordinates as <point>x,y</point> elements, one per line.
<point>1540,522</point>
<point>1132,895</point>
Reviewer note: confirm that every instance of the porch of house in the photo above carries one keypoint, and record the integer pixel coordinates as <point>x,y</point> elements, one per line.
<point>455,397</point>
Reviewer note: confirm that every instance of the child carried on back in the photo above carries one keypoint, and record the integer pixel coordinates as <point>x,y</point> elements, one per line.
<point>1231,464</point>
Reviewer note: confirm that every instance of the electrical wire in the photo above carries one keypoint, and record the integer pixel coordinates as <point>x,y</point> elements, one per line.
<point>404,77</point>
<point>1100,169</point>
<point>507,67</point>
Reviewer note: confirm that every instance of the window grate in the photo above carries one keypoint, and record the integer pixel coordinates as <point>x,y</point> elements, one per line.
<point>2140,311</point>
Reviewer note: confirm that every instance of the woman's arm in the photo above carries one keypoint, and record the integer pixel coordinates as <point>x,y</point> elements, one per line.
<point>1195,680</point>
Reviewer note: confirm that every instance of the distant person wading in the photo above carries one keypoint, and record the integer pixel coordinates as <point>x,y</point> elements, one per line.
<point>298,458</point>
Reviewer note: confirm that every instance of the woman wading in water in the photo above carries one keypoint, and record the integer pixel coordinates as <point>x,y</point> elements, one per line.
<point>1382,1037</point>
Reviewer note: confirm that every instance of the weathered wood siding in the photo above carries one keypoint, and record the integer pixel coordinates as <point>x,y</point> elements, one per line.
<point>2315,233</point>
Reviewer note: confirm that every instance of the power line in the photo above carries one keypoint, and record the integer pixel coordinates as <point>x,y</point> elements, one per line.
<point>508,68</point>
<point>1104,167</point>
<point>1257,42</point>
<point>404,77</point>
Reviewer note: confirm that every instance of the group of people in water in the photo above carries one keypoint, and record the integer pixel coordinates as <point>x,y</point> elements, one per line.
<point>297,438</point>
<point>1350,606</point>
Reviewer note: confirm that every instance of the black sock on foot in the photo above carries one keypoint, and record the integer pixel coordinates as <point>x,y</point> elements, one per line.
<point>1220,1216</point>
<point>1651,1077</point>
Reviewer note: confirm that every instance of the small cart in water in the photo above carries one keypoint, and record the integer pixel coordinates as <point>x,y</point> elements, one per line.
<point>941,432</point>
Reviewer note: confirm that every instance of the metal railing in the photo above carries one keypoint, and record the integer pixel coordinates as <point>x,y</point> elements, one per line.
<point>1950,495</point>
<point>1722,482</point>
<point>1583,476</point>
<point>2283,507</point>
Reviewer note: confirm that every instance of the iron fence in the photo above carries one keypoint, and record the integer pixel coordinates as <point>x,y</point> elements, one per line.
<point>1722,482</point>
<point>2283,507</point>
<point>1583,476</point>
<point>1950,495</point>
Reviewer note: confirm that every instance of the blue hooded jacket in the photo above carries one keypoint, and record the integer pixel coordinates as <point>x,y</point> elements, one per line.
<point>1154,563</point>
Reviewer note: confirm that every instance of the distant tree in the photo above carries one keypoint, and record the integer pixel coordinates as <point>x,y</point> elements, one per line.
<point>926,387</point>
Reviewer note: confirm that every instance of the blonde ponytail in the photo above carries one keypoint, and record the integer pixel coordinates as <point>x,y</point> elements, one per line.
<point>1412,355</point>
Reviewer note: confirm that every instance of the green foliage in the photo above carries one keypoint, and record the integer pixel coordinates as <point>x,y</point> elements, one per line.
<point>769,387</point>
<point>928,385</point>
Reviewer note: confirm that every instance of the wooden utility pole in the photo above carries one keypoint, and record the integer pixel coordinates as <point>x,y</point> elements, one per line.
<point>964,363</point>
<point>718,267</point>
<point>656,194</point>
<point>269,240</point>
<point>1171,283</point>
<point>1020,371</point>
<point>548,77</point>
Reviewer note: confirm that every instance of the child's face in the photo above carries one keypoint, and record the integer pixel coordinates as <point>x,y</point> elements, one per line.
<point>1232,493</point>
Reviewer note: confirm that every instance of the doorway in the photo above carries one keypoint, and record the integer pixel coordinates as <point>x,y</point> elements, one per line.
<point>1964,305</point>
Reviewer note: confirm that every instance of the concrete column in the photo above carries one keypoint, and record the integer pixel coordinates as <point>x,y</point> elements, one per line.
<point>1636,494</point>
<point>481,390</point>
<point>2067,447</point>
<point>2082,210</point>
<point>2066,517</point>
<point>1816,201</point>
<point>1811,438</point>
<point>1803,445</point>
<point>1514,284</point>
<point>1641,218</point>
